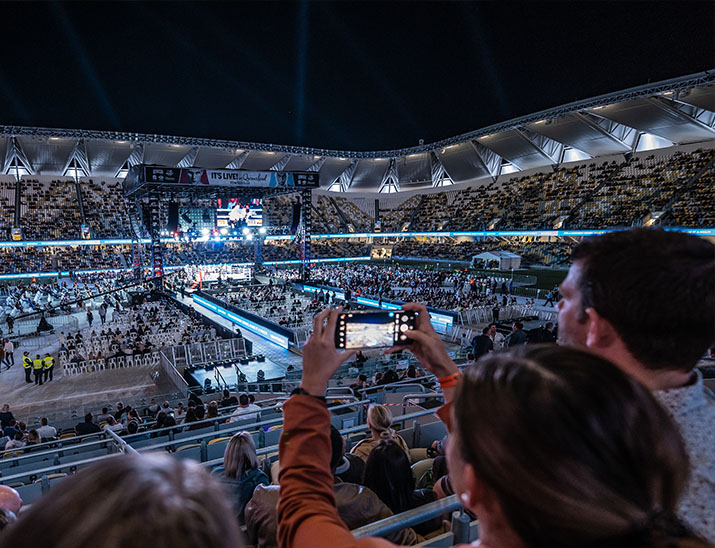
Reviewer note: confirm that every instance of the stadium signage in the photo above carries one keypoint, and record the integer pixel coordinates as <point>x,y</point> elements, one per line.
<point>226,177</point>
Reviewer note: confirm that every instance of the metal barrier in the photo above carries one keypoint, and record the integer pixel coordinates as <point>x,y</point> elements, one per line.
<point>173,374</point>
<point>411,517</point>
<point>124,447</point>
<point>421,396</point>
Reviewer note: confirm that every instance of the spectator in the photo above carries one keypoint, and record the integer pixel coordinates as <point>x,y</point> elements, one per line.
<point>16,442</point>
<point>379,420</point>
<point>212,410</point>
<point>181,506</point>
<point>33,437</point>
<point>104,415</point>
<point>6,416</point>
<point>482,344</point>
<point>517,335</point>
<point>86,427</point>
<point>9,353</point>
<point>153,407</point>
<point>388,474</point>
<point>10,499</point>
<point>356,505</point>
<point>11,429</point>
<point>240,473</point>
<point>542,446</point>
<point>246,410</point>
<point>113,425</point>
<point>645,299</point>
<point>45,430</point>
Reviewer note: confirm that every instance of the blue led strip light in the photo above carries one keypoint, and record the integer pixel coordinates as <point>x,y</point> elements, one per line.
<point>471,234</point>
<point>271,336</point>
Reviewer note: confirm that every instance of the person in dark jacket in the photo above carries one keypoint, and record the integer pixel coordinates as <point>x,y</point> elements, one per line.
<point>482,344</point>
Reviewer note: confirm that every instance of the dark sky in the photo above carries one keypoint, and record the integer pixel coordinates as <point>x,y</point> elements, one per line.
<point>360,76</point>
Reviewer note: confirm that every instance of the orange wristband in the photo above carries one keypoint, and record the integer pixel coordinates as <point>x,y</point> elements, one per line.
<point>450,380</point>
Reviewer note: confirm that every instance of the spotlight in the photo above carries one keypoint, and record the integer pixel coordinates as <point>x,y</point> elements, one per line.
<point>246,230</point>
<point>249,237</point>
<point>262,230</point>
<point>224,231</point>
<point>205,231</point>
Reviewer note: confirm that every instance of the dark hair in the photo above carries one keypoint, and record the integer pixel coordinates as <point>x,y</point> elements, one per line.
<point>88,417</point>
<point>485,330</point>
<point>243,399</point>
<point>132,427</point>
<point>336,446</point>
<point>43,421</point>
<point>191,415</point>
<point>388,474</point>
<point>577,452</point>
<point>226,393</point>
<point>519,325</point>
<point>656,289</point>
<point>200,412</point>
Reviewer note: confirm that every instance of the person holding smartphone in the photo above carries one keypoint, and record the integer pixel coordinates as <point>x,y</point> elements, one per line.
<point>542,446</point>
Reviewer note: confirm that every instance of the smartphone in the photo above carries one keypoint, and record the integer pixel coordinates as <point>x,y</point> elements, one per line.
<point>366,329</point>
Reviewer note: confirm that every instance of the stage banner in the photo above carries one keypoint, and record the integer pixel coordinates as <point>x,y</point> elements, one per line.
<point>265,179</point>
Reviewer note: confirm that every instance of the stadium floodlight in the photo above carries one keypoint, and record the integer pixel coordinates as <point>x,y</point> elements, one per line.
<point>262,230</point>
<point>246,230</point>
<point>249,236</point>
<point>224,231</point>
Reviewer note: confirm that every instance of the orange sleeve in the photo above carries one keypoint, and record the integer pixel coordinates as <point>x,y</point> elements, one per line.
<point>307,516</point>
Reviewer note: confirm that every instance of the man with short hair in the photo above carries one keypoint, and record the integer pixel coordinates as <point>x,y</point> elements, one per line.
<point>86,427</point>
<point>482,344</point>
<point>246,410</point>
<point>228,400</point>
<point>45,430</point>
<point>517,336</point>
<point>645,299</point>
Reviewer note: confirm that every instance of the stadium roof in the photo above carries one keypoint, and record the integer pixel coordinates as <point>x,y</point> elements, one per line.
<point>667,113</point>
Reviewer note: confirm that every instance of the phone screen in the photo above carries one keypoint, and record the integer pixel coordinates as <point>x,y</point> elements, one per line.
<point>370,330</point>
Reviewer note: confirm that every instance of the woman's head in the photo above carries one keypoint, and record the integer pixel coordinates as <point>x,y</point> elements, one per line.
<point>388,474</point>
<point>213,409</point>
<point>379,419</point>
<point>573,450</point>
<point>140,501</point>
<point>240,455</point>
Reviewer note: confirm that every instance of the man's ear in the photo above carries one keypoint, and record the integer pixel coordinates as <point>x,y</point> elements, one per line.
<point>601,333</point>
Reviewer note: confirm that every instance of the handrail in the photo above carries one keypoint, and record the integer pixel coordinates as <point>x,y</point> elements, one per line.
<point>34,453</point>
<point>41,471</point>
<point>123,445</point>
<point>412,517</point>
<point>419,396</point>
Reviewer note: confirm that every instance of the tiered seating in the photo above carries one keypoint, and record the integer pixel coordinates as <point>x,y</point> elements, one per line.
<point>106,210</point>
<point>695,207</point>
<point>49,209</point>
<point>7,205</point>
<point>275,303</point>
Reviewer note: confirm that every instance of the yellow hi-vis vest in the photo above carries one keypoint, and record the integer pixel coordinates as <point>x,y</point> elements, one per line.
<point>49,362</point>
<point>37,364</point>
<point>26,362</point>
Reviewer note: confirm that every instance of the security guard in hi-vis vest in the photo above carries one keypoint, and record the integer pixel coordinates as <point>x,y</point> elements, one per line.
<point>37,368</point>
<point>49,366</point>
<point>27,365</point>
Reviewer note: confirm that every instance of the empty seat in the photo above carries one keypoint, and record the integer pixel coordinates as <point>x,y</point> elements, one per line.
<point>30,493</point>
<point>191,451</point>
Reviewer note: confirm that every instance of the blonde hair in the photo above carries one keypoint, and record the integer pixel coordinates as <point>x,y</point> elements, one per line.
<point>379,419</point>
<point>240,455</point>
<point>142,501</point>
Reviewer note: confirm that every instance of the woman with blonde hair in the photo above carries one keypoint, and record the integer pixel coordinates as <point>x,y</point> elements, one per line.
<point>240,474</point>
<point>379,420</point>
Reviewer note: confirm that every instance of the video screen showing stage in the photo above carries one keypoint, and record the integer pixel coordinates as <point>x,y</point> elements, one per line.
<point>237,213</point>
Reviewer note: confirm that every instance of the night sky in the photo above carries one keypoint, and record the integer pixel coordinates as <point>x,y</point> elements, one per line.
<point>358,76</point>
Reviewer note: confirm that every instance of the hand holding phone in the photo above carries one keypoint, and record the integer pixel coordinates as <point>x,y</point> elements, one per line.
<point>367,329</point>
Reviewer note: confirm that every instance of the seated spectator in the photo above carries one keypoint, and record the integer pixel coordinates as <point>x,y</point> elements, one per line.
<point>212,410</point>
<point>113,425</point>
<point>45,430</point>
<point>153,407</point>
<point>240,473</point>
<point>543,445</point>
<point>379,420</point>
<point>388,474</point>
<point>246,410</point>
<point>17,442</point>
<point>142,501</point>
<point>356,505</point>
<point>33,437</point>
<point>86,427</point>
<point>11,429</point>
<point>228,399</point>
<point>132,427</point>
